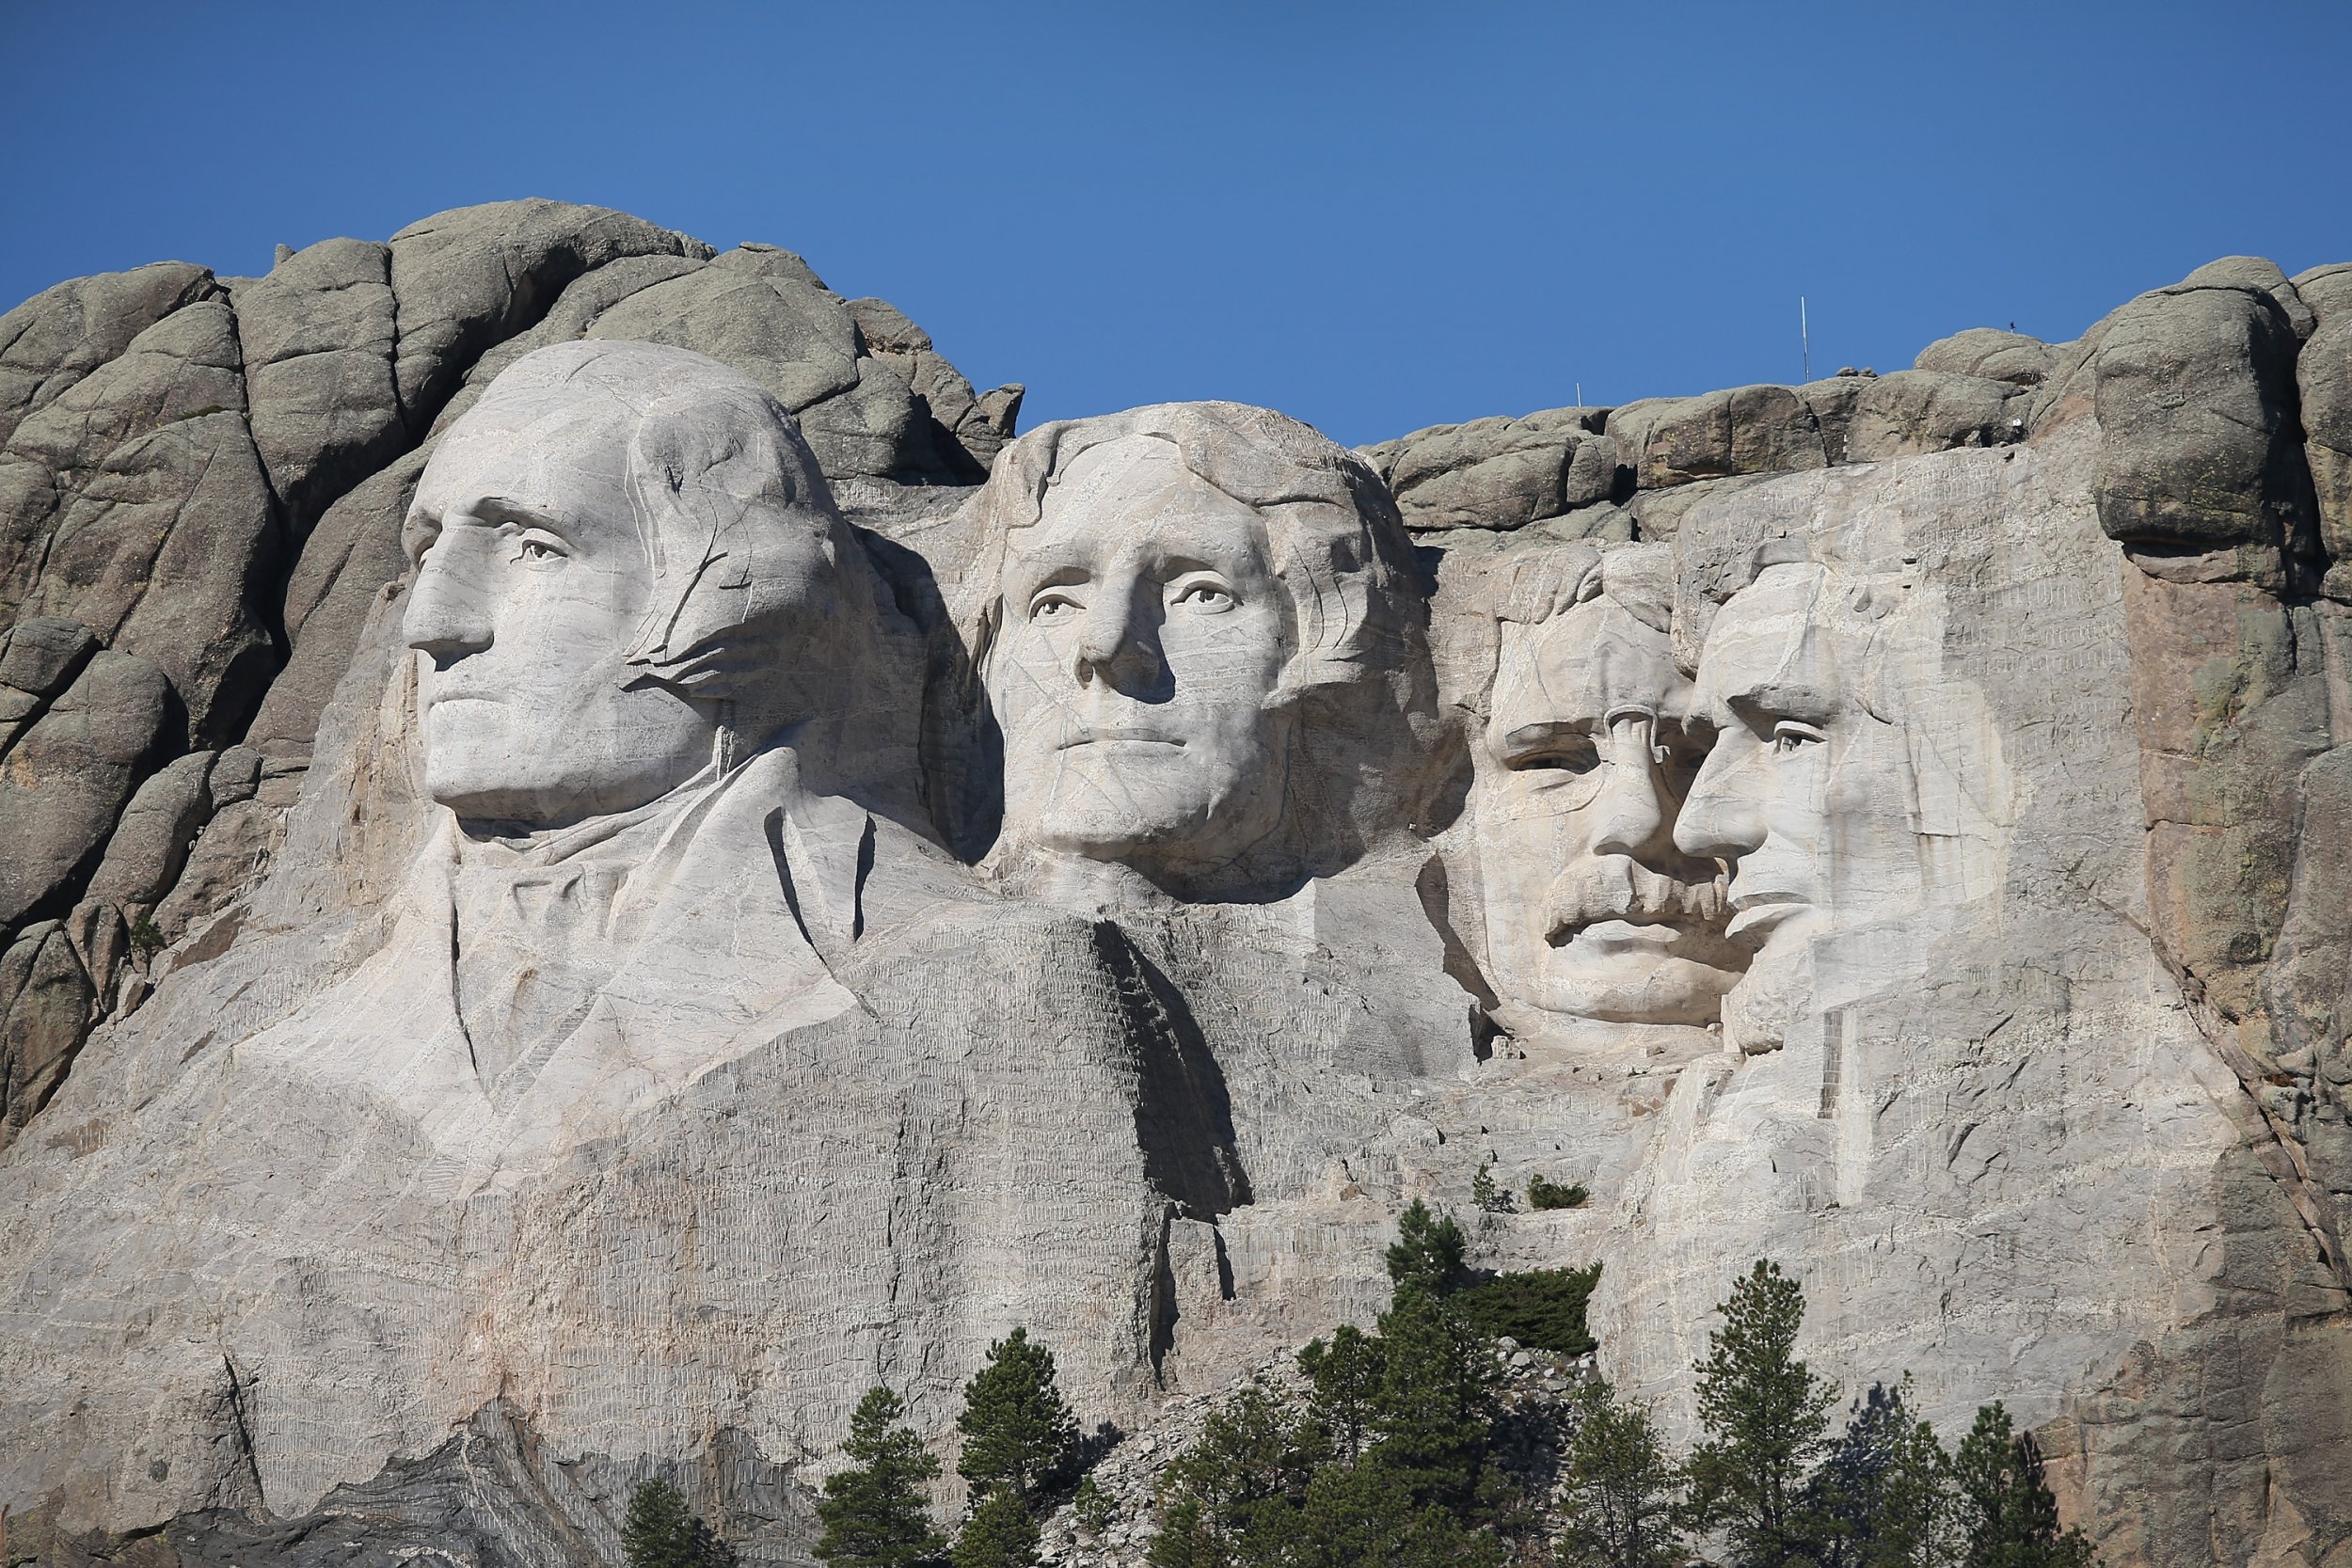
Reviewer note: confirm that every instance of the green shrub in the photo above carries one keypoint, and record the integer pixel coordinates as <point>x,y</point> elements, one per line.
<point>661,1531</point>
<point>1542,1308</point>
<point>146,940</point>
<point>1426,1256</point>
<point>1485,1194</point>
<point>1544,1192</point>
<point>1093,1505</point>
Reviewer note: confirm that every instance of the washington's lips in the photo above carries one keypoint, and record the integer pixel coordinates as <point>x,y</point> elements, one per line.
<point>1091,735</point>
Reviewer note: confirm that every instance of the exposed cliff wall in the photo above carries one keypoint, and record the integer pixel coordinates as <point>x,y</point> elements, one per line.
<point>2050,1105</point>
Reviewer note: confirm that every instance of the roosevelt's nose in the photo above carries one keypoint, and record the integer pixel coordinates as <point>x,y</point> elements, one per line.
<point>1628,816</point>
<point>449,612</point>
<point>1118,640</point>
<point>1721,818</point>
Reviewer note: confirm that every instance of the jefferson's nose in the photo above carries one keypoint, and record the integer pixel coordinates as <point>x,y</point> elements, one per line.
<point>1119,639</point>
<point>1721,819</point>
<point>448,613</point>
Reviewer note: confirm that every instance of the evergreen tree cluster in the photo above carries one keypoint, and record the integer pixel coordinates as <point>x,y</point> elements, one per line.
<point>1389,1458</point>
<point>1020,1441</point>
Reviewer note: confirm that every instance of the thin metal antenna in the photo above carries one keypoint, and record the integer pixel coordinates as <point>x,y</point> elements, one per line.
<point>1804,335</point>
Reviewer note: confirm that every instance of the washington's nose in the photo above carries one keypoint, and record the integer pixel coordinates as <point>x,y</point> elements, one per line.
<point>1719,820</point>
<point>447,617</point>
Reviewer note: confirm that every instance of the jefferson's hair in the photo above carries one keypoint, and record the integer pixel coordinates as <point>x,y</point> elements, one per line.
<point>1333,535</point>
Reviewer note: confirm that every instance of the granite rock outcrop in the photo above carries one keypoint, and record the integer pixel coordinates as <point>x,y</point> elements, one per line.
<point>606,858</point>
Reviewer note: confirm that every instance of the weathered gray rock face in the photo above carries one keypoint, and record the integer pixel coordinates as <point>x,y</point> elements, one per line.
<point>2195,388</point>
<point>1896,825</point>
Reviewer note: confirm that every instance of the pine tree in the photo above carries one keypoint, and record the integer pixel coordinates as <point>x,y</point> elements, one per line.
<point>1235,1496</point>
<point>2010,1517</point>
<point>1427,1252</point>
<point>1018,1434</point>
<point>1485,1194</point>
<point>1433,1408</point>
<point>999,1534</point>
<point>1883,1492</point>
<point>660,1533</point>
<point>1620,1488</point>
<point>1766,1417</point>
<point>1346,1375</point>
<point>876,1515</point>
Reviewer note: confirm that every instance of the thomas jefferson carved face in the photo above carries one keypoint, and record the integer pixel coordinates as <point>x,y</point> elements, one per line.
<point>1591,909</point>
<point>1806,795</point>
<point>1143,632</point>
<point>532,582</point>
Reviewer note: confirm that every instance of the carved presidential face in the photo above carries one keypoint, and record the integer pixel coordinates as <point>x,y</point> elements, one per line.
<point>1804,795</point>
<point>533,581</point>
<point>1143,631</point>
<point>1590,908</point>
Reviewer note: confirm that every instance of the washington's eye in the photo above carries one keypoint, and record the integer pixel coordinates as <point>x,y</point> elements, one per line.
<point>537,549</point>
<point>1208,598</point>
<point>1052,606</point>
<point>1790,736</point>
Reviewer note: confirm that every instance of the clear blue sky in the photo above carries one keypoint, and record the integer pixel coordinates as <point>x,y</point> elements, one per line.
<point>1372,215</point>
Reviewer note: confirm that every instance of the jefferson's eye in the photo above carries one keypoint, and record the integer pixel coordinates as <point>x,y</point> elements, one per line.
<point>1052,606</point>
<point>1790,736</point>
<point>1206,598</point>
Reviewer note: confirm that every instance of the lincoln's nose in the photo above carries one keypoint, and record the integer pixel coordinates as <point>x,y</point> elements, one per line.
<point>1719,820</point>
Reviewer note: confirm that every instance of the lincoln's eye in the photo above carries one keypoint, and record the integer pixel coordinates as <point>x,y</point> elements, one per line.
<point>1051,607</point>
<point>537,549</point>
<point>1790,737</point>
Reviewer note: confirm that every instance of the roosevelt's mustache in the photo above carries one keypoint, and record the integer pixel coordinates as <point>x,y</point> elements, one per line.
<point>1618,887</point>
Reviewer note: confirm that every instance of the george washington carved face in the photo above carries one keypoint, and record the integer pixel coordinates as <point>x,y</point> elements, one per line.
<point>627,566</point>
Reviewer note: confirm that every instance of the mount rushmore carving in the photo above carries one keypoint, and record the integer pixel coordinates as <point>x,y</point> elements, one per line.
<point>753,879</point>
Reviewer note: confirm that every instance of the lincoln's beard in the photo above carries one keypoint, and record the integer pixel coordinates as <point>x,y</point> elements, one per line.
<point>1759,1010</point>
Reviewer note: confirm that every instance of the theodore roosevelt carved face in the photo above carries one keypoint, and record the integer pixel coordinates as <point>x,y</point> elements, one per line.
<point>1590,908</point>
<point>1175,600</point>
<point>627,569</point>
